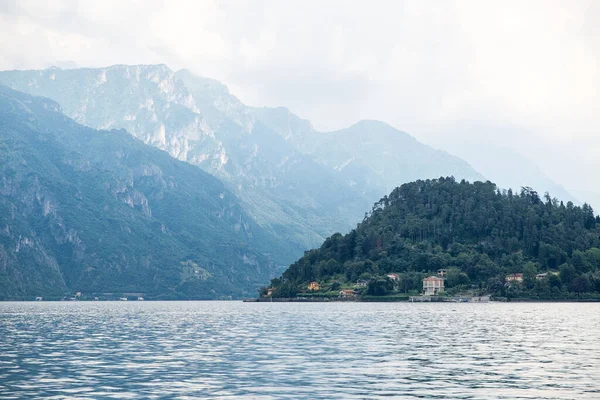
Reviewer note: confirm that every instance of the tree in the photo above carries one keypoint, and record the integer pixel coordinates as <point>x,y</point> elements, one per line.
<point>593,258</point>
<point>581,284</point>
<point>554,281</point>
<point>529,274</point>
<point>567,273</point>
<point>580,262</point>
<point>378,287</point>
<point>476,232</point>
<point>287,290</point>
<point>456,277</point>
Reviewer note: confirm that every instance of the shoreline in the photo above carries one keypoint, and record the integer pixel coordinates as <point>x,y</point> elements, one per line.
<point>314,300</point>
<point>358,300</point>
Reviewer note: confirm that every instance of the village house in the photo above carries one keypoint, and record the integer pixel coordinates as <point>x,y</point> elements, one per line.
<point>514,278</point>
<point>433,285</point>
<point>314,286</point>
<point>270,291</point>
<point>545,275</point>
<point>347,293</point>
<point>361,283</point>
<point>394,277</point>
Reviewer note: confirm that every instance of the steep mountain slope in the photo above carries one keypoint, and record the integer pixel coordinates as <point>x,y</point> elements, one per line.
<point>98,211</point>
<point>197,120</point>
<point>473,231</point>
<point>370,155</point>
<point>286,190</point>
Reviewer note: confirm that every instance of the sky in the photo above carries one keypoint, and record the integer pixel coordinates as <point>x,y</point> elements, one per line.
<point>458,75</point>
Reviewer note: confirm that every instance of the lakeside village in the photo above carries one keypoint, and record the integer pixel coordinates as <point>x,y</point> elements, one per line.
<point>433,290</point>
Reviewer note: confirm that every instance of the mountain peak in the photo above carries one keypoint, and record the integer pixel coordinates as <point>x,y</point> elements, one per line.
<point>371,128</point>
<point>371,123</point>
<point>197,82</point>
<point>376,126</point>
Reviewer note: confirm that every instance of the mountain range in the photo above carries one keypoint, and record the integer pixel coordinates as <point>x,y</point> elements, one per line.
<point>140,179</point>
<point>299,184</point>
<point>97,211</point>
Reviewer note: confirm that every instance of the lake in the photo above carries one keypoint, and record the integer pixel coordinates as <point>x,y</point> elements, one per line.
<point>300,350</point>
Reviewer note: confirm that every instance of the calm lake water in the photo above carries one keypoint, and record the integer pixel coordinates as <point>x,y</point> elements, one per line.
<point>299,351</point>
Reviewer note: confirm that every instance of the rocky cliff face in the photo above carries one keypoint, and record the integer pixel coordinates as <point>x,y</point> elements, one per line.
<point>299,184</point>
<point>148,101</point>
<point>97,211</point>
<point>197,120</point>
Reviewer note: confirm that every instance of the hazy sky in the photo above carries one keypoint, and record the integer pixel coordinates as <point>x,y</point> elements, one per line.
<point>456,74</point>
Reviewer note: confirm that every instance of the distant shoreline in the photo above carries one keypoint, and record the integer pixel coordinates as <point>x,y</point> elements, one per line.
<point>314,300</point>
<point>370,300</point>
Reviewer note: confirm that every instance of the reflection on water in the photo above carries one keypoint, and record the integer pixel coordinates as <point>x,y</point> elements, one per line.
<point>292,350</point>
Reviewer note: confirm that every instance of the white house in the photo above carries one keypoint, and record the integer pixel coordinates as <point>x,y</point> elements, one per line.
<point>361,283</point>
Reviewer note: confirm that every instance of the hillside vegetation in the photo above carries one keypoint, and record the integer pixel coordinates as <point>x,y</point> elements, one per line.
<point>96,211</point>
<point>475,232</point>
<point>298,184</point>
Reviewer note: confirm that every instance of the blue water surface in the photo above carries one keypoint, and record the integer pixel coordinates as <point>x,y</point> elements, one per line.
<point>218,350</point>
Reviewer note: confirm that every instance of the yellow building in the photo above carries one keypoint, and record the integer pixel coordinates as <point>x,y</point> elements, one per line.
<point>433,286</point>
<point>313,286</point>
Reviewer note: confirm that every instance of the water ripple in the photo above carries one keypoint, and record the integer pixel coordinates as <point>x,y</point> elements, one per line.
<point>290,350</point>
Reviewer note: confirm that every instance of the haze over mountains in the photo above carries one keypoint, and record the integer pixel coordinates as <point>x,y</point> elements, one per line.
<point>298,183</point>
<point>509,169</point>
<point>98,211</point>
<point>93,209</point>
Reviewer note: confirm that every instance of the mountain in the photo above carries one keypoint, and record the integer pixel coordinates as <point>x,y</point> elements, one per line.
<point>298,198</point>
<point>97,211</point>
<point>472,231</point>
<point>298,184</point>
<point>371,156</point>
<point>198,121</point>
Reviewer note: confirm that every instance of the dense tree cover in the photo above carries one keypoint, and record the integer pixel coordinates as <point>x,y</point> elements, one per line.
<point>100,212</point>
<point>474,231</point>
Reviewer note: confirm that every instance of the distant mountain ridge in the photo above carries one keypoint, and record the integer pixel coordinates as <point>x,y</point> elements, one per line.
<point>370,153</point>
<point>299,184</point>
<point>516,171</point>
<point>97,212</point>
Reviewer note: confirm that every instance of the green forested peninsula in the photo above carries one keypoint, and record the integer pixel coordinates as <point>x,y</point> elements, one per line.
<point>473,234</point>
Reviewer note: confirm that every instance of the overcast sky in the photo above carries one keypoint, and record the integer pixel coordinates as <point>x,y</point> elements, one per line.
<point>457,75</point>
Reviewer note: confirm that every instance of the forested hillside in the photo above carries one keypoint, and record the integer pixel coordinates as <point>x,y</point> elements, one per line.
<point>83,210</point>
<point>475,232</point>
<point>298,184</point>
